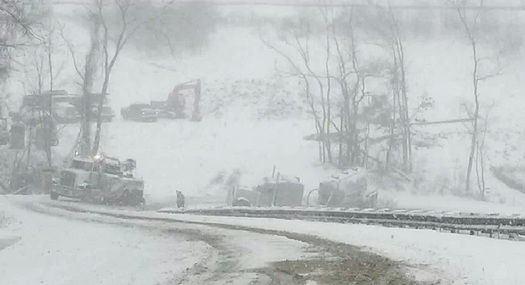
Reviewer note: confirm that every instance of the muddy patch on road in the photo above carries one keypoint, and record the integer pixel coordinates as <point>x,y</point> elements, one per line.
<point>338,264</point>
<point>334,264</point>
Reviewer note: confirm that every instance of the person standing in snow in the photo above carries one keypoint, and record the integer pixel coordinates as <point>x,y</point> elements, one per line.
<point>180,199</point>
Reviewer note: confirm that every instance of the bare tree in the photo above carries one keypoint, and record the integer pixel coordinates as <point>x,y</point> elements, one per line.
<point>15,31</point>
<point>470,30</point>
<point>110,57</point>
<point>341,79</point>
<point>49,47</point>
<point>470,26</point>
<point>328,116</point>
<point>297,54</point>
<point>86,73</point>
<point>113,39</point>
<point>355,71</point>
<point>112,24</point>
<point>401,90</point>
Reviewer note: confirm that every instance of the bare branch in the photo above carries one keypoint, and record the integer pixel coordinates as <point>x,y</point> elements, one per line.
<point>72,53</point>
<point>281,53</point>
<point>14,11</point>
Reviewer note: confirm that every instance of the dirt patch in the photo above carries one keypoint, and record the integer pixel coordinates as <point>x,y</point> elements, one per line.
<point>340,271</point>
<point>339,264</point>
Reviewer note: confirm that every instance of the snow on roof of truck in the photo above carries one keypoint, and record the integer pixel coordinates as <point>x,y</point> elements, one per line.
<point>64,104</point>
<point>83,158</point>
<point>348,173</point>
<point>141,105</point>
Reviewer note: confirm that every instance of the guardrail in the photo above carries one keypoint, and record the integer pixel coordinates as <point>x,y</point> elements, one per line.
<point>492,225</point>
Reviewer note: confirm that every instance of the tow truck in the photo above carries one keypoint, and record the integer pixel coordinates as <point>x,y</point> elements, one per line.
<point>99,179</point>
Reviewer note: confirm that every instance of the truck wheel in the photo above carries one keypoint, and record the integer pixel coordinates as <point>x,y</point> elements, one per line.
<point>125,198</point>
<point>53,196</point>
<point>131,198</point>
<point>86,195</point>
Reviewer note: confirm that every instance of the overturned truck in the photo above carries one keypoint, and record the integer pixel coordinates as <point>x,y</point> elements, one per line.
<point>280,191</point>
<point>347,189</point>
<point>99,179</point>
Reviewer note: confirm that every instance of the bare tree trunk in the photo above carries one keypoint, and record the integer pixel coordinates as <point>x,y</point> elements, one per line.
<point>341,137</point>
<point>100,106</point>
<point>407,141</point>
<point>470,30</point>
<point>477,168</point>
<point>471,157</point>
<point>87,87</point>
<point>44,124</point>
<point>399,54</point>
<point>474,137</point>
<point>344,156</point>
<point>365,151</point>
<point>395,96</point>
<point>109,62</point>
<point>314,112</point>
<point>476,144</point>
<point>328,89</point>
<point>482,170</point>
<point>50,136</point>
<point>480,158</point>
<point>354,140</point>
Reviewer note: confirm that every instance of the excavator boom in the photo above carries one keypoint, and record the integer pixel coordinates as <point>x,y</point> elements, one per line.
<point>176,100</point>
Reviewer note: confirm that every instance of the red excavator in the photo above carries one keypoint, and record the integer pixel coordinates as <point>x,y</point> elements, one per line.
<point>174,107</point>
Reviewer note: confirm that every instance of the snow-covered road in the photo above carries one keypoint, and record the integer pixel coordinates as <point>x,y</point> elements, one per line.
<point>43,243</point>
<point>52,250</point>
<point>49,242</point>
<point>434,256</point>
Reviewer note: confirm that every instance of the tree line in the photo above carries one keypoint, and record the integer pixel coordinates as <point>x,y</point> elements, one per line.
<point>352,66</point>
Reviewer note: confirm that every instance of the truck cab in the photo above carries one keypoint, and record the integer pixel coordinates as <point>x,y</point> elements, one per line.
<point>98,178</point>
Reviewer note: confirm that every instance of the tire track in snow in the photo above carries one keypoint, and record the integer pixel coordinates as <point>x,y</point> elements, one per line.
<point>378,269</point>
<point>222,262</point>
<point>192,275</point>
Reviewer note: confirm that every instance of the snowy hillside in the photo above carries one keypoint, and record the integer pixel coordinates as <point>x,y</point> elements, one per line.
<point>255,119</point>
